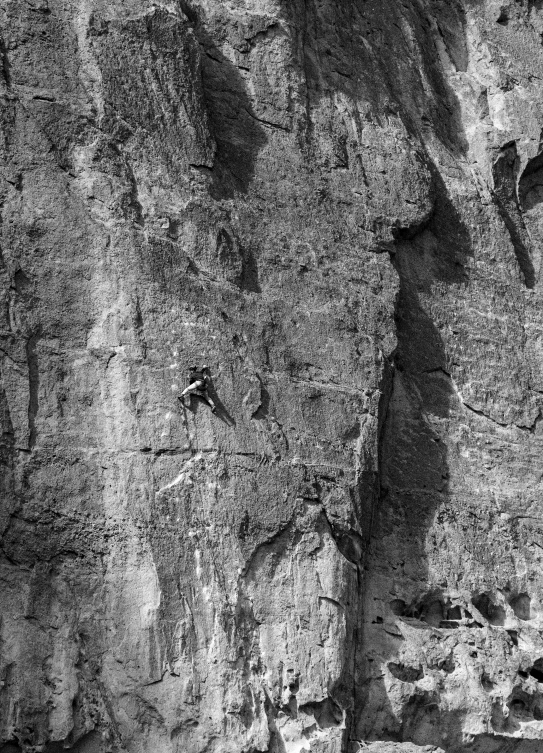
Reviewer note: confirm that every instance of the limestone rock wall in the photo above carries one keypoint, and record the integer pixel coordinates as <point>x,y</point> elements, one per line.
<point>338,207</point>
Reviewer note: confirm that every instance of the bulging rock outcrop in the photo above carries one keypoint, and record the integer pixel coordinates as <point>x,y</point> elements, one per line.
<point>338,207</point>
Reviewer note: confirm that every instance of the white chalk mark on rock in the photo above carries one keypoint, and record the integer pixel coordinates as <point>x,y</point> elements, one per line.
<point>179,479</point>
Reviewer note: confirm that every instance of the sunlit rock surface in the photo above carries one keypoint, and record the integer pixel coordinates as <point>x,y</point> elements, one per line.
<point>338,206</point>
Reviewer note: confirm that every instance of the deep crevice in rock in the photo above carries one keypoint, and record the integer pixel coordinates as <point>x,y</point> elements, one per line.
<point>505,171</point>
<point>491,611</point>
<point>405,673</point>
<point>33,387</point>
<point>536,670</point>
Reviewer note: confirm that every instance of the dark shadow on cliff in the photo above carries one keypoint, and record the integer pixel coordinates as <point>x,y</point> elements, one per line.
<point>530,198</point>
<point>222,412</point>
<point>505,173</point>
<point>91,741</point>
<point>249,273</point>
<point>414,485</point>
<point>367,51</point>
<point>234,125</point>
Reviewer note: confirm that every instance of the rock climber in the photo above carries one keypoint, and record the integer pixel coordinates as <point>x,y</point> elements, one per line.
<point>199,379</point>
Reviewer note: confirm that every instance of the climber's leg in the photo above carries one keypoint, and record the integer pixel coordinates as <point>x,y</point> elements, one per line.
<point>210,403</point>
<point>189,390</point>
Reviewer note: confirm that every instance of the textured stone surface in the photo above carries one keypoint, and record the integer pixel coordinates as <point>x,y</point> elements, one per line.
<point>339,207</point>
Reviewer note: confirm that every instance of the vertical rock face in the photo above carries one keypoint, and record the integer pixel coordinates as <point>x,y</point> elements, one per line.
<point>338,207</point>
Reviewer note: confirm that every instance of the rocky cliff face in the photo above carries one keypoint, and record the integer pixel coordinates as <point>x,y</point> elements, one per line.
<point>339,207</point>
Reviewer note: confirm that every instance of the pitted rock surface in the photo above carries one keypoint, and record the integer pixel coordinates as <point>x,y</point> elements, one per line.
<point>338,206</point>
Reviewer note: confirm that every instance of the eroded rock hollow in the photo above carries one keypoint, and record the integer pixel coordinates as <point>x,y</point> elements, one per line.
<point>338,206</point>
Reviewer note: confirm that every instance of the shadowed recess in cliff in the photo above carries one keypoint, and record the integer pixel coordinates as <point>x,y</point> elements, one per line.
<point>530,201</point>
<point>414,474</point>
<point>33,387</point>
<point>4,63</point>
<point>7,435</point>
<point>7,461</point>
<point>234,125</point>
<point>530,188</point>
<point>88,743</point>
<point>505,172</point>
